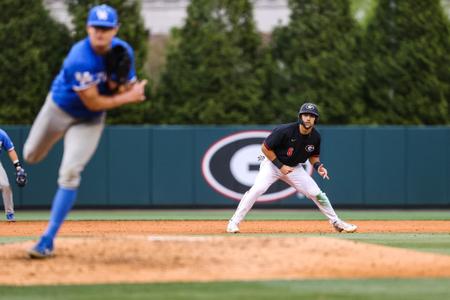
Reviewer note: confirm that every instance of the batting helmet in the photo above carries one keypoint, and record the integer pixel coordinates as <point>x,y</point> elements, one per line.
<point>309,108</point>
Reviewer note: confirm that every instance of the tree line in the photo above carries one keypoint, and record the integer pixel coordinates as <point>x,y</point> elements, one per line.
<point>395,70</point>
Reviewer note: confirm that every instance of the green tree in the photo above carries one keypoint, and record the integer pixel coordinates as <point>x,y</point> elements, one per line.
<point>32,50</point>
<point>407,48</point>
<point>133,31</point>
<point>212,74</point>
<point>315,58</point>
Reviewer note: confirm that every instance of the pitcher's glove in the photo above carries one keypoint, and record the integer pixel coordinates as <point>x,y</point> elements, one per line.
<point>21,177</point>
<point>118,65</point>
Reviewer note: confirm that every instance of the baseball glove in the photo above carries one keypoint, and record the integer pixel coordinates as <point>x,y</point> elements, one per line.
<point>118,65</point>
<point>21,177</point>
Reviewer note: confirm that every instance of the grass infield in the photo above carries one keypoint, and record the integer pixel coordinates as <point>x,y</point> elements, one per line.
<point>387,289</point>
<point>225,214</point>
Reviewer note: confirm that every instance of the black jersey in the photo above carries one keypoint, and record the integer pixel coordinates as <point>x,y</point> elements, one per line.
<point>290,146</point>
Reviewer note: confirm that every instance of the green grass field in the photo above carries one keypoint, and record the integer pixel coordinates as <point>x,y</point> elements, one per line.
<point>298,289</point>
<point>386,289</point>
<point>261,214</point>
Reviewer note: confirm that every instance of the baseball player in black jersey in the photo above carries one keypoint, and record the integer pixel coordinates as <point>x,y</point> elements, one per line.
<point>285,149</point>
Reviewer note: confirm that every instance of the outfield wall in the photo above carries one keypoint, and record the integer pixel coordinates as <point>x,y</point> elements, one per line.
<point>161,166</point>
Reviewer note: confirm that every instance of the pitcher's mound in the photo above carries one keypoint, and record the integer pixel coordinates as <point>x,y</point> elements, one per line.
<point>95,260</point>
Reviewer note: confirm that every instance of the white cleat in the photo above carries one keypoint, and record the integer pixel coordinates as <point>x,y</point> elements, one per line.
<point>232,227</point>
<point>342,226</point>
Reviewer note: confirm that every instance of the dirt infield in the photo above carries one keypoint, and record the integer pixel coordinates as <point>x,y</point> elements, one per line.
<point>91,252</point>
<point>100,228</point>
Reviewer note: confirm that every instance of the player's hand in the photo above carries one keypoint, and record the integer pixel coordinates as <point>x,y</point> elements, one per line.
<point>124,87</point>
<point>119,88</point>
<point>136,93</point>
<point>286,169</point>
<point>323,172</point>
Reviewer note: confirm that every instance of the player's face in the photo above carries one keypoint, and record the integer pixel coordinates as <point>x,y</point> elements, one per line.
<point>308,120</point>
<point>101,37</point>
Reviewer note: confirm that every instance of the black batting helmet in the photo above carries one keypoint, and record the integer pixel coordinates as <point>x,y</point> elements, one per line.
<point>309,108</point>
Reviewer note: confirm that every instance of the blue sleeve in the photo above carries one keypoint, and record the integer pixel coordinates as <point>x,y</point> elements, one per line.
<point>7,144</point>
<point>132,74</point>
<point>79,70</point>
<point>274,139</point>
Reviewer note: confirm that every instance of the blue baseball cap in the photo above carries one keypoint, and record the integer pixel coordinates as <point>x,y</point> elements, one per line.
<point>103,15</point>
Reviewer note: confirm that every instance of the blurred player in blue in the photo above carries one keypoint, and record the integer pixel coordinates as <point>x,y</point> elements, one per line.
<point>21,176</point>
<point>75,109</point>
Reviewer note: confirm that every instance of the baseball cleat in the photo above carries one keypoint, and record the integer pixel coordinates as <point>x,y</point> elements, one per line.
<point>43,249</point>
<point>10,217</point>
<point>342,226</point>
<point>232,227</point>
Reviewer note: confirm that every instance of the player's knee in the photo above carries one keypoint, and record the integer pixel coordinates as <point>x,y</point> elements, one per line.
<point>258,191</point>
<point>69,178</point>
<point>322,198</point>
<point>6,190</point>
<point>30,156</point>
<point>27,156</point>
<point>314,194</point>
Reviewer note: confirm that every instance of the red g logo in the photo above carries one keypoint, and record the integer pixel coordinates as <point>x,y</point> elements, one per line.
<point>290,151</point>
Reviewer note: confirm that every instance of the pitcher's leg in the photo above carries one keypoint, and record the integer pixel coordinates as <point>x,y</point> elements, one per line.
<point>267,175</point>
<point>80,143</point>
<point>48,127</point>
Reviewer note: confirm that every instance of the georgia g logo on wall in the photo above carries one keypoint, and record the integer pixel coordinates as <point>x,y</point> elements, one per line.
<point>231,164</point>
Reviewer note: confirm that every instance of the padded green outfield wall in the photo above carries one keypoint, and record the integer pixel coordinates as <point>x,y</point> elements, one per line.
<point>159,166</point>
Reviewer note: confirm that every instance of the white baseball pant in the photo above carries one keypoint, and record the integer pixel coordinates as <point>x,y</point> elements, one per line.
<point>81,138</point>
<point>6,191</point>
<point>298,179</point>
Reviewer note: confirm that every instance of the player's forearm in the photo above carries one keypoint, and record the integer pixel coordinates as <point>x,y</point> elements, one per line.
<point>268,153</point>
<point>14,158</point>
<point>101,102</point>
<point>13,155</point>
<point>272,157</point>
<point>318,166</point>
<point>314,159</point>
<point>97,102</point>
